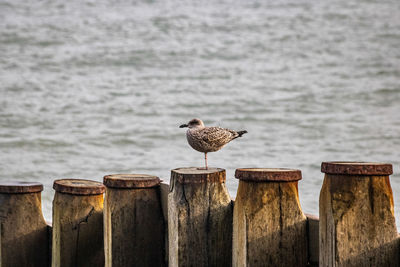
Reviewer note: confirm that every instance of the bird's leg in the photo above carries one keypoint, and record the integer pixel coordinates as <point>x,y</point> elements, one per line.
<point>205,157</point>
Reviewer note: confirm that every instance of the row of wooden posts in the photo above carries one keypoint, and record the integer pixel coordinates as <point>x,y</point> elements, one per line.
<point>194,221</point>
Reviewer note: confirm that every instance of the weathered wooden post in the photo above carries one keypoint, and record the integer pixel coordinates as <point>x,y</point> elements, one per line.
<point>78,223</point>
<point>357,224</point>
<point>23,230</point>
<point>133,220</point>
<point>269,227</point>
<point>313,240</point>
<point>199,218</point>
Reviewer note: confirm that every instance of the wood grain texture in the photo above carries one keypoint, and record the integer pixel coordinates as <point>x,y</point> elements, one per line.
<point>134,227</point>
<point>357,224</point>
<point>199,220</point>
<point>77,230</point>
<point>23,231</point>
<point>269,227</point>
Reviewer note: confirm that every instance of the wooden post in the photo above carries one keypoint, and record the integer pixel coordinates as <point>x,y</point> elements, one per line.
<point>313,240</point>
<point>269,227</point>
<point>357,224</point>
<point>199,218</point>
<point>78,223</point>
<point>133,220</point>
<point>23,230</point>
<point>164,191</point>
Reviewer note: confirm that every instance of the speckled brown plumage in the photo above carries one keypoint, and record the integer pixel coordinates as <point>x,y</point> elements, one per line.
<point>208,139</point>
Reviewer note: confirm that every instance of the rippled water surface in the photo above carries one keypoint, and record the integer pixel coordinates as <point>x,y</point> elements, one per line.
<point>90,88</point>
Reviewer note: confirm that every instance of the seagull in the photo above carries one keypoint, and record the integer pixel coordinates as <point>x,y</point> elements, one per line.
<point>208,139</point>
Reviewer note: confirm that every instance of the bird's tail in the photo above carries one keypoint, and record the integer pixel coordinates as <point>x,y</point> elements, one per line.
<point>240,133</point>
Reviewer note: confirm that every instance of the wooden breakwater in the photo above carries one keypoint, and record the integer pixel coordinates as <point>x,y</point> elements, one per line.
<point>136,220</point>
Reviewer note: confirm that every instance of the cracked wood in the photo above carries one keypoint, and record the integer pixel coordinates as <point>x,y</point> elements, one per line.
<point>199,218</point>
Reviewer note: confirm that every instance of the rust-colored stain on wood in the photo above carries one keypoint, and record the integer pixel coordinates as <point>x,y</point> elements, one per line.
<point>131,181</point>
<point>268,174</point>
<point>356,168</point>
<point>20,187</point>
<point>78,187</point>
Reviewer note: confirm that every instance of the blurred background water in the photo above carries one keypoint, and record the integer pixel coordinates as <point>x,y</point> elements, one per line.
<point>90,88</point>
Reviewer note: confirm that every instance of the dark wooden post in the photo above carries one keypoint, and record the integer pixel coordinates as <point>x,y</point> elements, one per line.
<point>357,225</point>
<point>269,227</point>
<point>78,223</point>
<point>313,240</point>
<point>199,218</point>
<point>133,219</point>
<point>23,230</point>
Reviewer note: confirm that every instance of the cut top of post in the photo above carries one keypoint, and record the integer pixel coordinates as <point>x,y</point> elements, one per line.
<point>131,181</point>
<point>78,187</point>
<point>268,174</point>
<point>357,168</point>
<point>193,175</point>
<point>20,187</point>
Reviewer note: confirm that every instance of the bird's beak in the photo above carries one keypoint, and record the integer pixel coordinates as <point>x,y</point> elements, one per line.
<point>183,126</point>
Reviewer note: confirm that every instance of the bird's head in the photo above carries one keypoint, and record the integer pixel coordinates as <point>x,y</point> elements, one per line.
<point>193,123</point>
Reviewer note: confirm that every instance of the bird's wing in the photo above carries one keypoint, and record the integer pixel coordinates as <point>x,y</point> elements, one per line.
<point>217,136</point>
